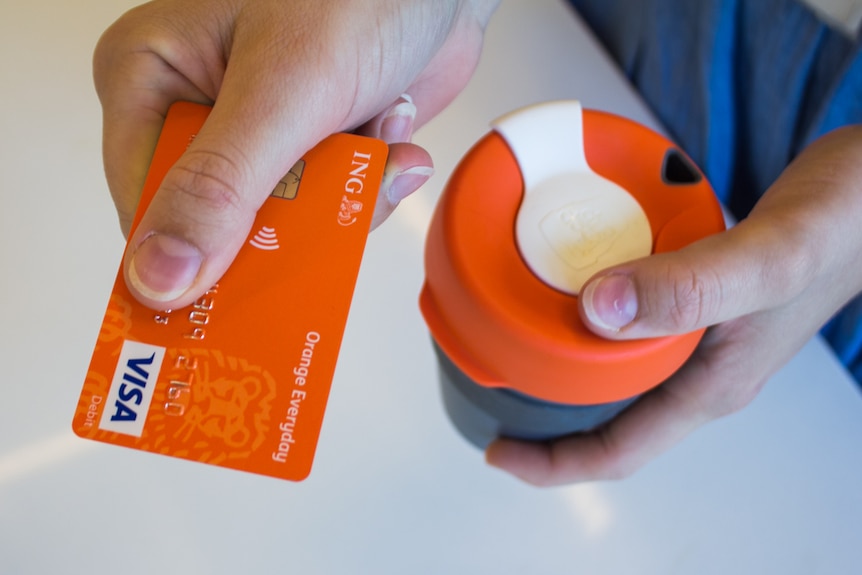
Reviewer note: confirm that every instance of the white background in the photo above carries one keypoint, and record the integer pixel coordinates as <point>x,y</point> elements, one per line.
<point>774,489</point>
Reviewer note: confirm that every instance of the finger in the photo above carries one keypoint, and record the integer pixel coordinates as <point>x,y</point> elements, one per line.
<point>727,371</point>
<point>408,165</point>
<point>796,241</point>
<point>648,428</point>
<point>657,421</point>
<point>757,265</point>
<point>731,365</point>
<point>407,169</point>
<point>395,125</point>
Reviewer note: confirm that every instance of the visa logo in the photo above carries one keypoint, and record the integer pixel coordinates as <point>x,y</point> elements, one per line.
<point>128,402</point>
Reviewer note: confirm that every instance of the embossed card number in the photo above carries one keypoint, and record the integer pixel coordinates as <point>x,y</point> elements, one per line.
<point>241,378</point>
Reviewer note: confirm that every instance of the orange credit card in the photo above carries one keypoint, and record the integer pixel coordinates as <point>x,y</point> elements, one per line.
<point>241,378</point>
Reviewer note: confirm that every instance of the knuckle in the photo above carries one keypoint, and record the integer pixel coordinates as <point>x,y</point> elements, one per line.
<point>106,54</point>
<point>115,34</point>
<point>127,30</point>
<point>733,399</point>
<point>618,463</point>
<point>791,254</point>
<point>728,386</point>
<point>210,182</point>
<point>619,472</point>
<point>544,481</point>
<point>115,55</point>
<point>622,468</point>
<point>796,264</point>
<point>693,299</point>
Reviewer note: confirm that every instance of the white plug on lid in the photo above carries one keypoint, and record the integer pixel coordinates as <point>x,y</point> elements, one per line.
<point>572,222</point>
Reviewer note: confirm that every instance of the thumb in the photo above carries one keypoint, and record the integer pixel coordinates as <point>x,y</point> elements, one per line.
<point>749,268</point>
<point>204,209</point>
<point>199,218</point>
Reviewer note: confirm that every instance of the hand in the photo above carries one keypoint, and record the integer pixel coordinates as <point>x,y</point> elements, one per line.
<point>766,286</point>
<point>283,75</point>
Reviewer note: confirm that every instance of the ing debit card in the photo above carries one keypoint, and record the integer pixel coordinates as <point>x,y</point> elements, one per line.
<point>241,378</point>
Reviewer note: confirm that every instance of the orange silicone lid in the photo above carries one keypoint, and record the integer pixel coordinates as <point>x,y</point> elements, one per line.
<point>504,327</point>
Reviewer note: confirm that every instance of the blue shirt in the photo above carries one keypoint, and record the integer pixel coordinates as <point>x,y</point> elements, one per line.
<point>743,86</point>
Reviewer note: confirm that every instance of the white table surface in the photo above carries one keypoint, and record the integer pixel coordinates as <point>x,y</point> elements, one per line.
<point>776,488</point>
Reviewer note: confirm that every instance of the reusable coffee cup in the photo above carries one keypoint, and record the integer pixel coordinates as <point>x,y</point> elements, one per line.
<point>552,195</point>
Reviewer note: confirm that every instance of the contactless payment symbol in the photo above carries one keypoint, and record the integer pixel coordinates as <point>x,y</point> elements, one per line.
<point>286,189</point>
<point>265,239</point>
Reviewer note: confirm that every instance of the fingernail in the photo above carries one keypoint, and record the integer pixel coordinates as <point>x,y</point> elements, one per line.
<point>610,302</point>
<point>164,267</point>
<point>397,125</point>
<point>407,182</point>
